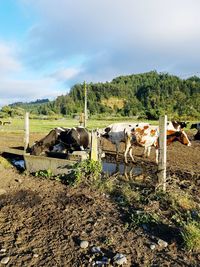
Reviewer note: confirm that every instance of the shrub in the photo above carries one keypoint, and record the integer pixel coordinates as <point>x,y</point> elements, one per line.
<point>86,171</point>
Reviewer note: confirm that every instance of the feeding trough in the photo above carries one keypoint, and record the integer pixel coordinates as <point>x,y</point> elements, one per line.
<point>58,163</point>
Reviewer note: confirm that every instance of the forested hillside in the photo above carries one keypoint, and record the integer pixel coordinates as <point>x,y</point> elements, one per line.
<point>145,95</point>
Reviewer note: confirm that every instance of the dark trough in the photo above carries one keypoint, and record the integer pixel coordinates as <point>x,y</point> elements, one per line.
<point>36,163</point>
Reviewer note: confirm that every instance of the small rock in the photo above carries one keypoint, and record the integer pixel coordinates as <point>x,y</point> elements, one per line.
<point>2,191</point>
<point>18,180</point>
<point>35,255</point>
<point>152,246</point>
<point>139,211</point>
<point>102,262</point>
<point>162,243</point>
<point>96,250</point>
<point>120,259</point>
<point>84,244</point>
<point>3,250</point>
<point>5,260</point>
<point>145,227</point>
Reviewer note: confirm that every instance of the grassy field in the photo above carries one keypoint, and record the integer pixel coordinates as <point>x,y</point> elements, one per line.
<point>44,126</point>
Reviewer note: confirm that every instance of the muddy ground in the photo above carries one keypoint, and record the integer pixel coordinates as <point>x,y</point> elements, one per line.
<point>42,221</point>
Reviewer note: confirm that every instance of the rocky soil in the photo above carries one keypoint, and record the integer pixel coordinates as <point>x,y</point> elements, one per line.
<point>44,222</point>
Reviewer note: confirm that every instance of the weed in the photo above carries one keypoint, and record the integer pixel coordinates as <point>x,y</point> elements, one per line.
<point>129,194</point>
<point>44,173</point>
<point>139,218</point>
<point>191,236</point>
<point>105,185</point>
<point>87,171</point>
<point>182,200</point>
<point>108,241</point>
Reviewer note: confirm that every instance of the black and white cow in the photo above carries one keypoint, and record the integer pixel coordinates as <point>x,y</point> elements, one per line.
<point>196,126</point>
<point>176,125</point>
<point>59,139</point>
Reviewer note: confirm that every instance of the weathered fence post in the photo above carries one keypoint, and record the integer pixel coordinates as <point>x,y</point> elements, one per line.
<point>85,109</point>
<point>94,147</point>
<point>162,159</point>
<point>26,130</point>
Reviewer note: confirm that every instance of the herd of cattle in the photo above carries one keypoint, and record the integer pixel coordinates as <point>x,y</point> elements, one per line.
<point>67,140</point>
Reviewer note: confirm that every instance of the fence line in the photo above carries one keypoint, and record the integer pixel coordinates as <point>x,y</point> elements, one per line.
<point>162,160</point>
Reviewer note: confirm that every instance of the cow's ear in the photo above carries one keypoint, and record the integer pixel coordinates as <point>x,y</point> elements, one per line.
<point>146,127</point>
<point>107,130</point>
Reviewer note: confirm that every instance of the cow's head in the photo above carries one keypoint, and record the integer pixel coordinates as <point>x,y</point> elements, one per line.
<point>183,138</point>
<point>183,124</point>
<point>105,132</point>
<point>37,148</point>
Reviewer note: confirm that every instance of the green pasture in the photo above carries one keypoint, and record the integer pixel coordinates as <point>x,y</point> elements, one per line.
<point>45,125</point>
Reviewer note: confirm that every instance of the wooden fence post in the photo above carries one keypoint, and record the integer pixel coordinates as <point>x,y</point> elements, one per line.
<point>162,159</point>
<point>94,147</point>
<point>26,130</point>
<point>85,108</point>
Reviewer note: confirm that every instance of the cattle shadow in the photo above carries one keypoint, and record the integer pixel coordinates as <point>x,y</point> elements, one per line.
<point>142,181</point>
<point>22,198</point>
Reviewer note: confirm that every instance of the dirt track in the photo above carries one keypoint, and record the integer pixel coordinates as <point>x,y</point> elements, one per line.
<point>42,221</point>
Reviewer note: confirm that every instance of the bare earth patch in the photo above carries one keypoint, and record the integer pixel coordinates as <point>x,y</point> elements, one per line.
<point>43,221</point>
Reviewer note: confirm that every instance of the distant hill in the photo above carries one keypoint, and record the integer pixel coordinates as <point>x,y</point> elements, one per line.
<point>21,104</point>
<point>146,95</point>
<point>33,106</point>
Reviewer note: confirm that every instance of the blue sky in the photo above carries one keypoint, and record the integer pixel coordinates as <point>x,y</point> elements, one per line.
<point>46,46</point>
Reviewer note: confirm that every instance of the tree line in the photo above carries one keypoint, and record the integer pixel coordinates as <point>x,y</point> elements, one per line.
<point>146,95</point>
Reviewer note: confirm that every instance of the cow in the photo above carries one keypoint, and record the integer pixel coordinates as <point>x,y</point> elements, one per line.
<point>60,139</point>
<point>197,135</point>
<point>176,125</point>
<point>148,136</point>
<point>115,133</point>
<point>196,126</point>
<point>46,143</point>
<point>5,122</point>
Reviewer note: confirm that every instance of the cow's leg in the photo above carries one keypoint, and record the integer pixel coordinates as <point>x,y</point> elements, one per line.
<point>145,152</point>
<point>157,155</point>
<point>129,149</point>
<point>131,153</point>
<point>148,151</point>
<point>117,151</point>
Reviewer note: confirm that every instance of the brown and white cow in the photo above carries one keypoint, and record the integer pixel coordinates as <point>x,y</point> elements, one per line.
<point>148,136</point>
<point>59,139</point>
<point>115,132</point>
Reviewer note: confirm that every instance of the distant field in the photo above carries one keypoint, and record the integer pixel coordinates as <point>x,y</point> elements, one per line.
<point>44,126</point>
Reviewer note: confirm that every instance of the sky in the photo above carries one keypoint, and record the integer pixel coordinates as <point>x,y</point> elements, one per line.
<point>47,46</point>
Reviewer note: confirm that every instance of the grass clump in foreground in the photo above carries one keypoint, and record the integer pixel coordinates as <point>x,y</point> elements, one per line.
<point>183,200</point>
<point>191,236</point>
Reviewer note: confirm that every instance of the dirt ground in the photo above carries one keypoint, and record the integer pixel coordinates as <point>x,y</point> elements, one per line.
<point>42,221</point>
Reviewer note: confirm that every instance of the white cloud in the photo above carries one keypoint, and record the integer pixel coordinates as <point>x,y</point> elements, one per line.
<point>27,90</point>
<point>8,59</point>
<point>110,38</point>
<point>19,84</point>
<point>65,74</point>
<point>149,33</point>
